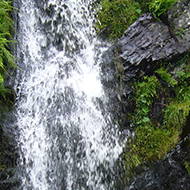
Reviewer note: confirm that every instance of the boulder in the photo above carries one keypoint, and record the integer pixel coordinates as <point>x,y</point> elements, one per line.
<point>148,40</point>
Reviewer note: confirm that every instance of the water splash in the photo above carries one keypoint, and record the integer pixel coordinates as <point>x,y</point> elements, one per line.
<point>67,138</point>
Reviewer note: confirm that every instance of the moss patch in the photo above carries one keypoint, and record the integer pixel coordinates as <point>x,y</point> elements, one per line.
<point>152,139</point>
<point>114,17</point>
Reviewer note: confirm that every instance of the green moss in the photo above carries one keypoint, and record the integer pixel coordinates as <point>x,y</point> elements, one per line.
<point>187,167</point>
<point>160,7</point>
<point>152,140</point>
<point>149,144</point>
<point>166,77</point>
<point>114,17</point>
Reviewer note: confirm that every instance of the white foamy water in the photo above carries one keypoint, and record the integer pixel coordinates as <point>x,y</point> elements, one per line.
<point>67,139</point>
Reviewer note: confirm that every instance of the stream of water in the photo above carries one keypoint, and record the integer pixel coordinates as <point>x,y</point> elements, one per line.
<point>66,137</point>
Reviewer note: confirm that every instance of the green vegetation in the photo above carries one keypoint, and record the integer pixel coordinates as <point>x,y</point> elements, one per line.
<point>115,16</point>
<point>6,57</point>
<point>180,32</point>
<point>7,94</point>
<point>6,62</point>
<point>153,139</point>
<point>187,167</point>
<point>160,7</point>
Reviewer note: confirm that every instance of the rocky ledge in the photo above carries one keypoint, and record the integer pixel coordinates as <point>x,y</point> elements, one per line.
<point>148,40</point>
<point>172,172</point>
<point>168,173</point>
<point>146,44</point>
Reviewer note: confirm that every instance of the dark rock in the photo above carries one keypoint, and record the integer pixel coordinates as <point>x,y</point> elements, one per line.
<point>186,128</point>
<point>8,151</point>
<point>10,94</point>
<point>145,43</point>
<point>149,39</point>
<point>169,173</point>
<point>8,158</point>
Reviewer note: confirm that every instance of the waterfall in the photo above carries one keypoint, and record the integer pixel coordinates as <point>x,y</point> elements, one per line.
<point>66,137</point>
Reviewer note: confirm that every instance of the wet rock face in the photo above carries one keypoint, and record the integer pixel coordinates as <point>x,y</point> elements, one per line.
<point>148,40</point>
<point>8,158</point>
<point>170,173</point>
<point>145,43</point>
<point>8,150</point>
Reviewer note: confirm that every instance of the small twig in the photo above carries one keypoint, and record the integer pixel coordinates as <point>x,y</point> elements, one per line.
<point>161,104</point>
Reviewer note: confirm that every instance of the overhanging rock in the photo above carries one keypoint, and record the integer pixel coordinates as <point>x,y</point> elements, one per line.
<point>149,39</point>
<point>145,43</point>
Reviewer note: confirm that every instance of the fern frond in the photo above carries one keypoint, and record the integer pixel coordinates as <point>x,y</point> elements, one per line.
<point>6,23</point>
<point>166,77</point>
<point>176,113</point>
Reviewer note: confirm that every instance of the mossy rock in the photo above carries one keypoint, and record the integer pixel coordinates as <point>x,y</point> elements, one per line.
<point>8,102</point>
<point>10,94</point>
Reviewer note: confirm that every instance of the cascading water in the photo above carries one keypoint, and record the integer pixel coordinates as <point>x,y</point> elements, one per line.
<point>66,137</point>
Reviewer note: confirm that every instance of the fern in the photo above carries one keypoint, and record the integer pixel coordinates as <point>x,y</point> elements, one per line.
<point>146,90</point>
<point>4,53</point>
<point>5,20</point>
<point>6,24</point>
<point>160,7</point>
<point>176,114</point>
<point>166,77</point>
